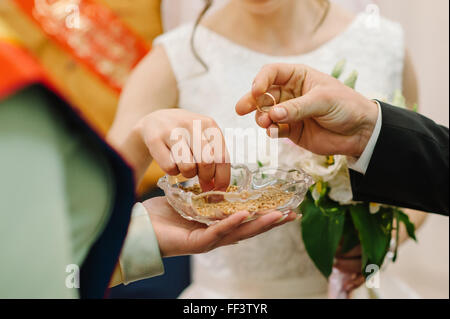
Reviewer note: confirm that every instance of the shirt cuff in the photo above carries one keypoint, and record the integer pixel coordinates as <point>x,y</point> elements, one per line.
<point>140,257</point>
<point>361,164</point>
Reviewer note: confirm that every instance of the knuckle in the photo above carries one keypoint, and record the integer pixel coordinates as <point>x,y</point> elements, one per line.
<point>327,95</point>
<point>267,68</point>
<point>210,122</point>
<point>220,233</point>
<point>301,68</point>
<point>206,165</point>
<point>189,170</point>
<point>170,168</point>
<point>154,139</point>
<point>298,114</point>
<point>293,109</point>
<point>185,123</point>
<point>223,159</point>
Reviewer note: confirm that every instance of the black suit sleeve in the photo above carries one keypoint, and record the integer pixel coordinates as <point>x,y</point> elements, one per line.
<point>409,164</point>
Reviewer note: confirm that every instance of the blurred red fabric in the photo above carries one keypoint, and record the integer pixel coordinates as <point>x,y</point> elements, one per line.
<point>18,69</point>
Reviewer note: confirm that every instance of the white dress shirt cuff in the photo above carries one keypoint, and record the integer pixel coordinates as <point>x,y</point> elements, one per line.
<point>140,257</point>
<point>361,164</point>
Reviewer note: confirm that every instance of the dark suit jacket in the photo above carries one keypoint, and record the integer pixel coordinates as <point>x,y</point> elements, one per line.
<point>409,165</point>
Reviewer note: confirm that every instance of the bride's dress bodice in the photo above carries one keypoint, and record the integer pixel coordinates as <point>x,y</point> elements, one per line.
<point>274,264</point>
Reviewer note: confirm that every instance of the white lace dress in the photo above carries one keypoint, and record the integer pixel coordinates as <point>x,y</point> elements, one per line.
<point>274,264</point>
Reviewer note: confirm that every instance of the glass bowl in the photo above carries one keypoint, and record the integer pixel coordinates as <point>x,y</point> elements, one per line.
<point>259,191</point>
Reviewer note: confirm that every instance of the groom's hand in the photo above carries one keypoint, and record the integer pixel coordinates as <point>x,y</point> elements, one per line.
<point>324,116</point>
<point>178,236</point>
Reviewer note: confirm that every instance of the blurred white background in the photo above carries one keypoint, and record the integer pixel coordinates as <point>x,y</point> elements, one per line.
<point>423,266</point>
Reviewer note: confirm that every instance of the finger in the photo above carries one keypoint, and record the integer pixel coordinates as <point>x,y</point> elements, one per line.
<point>222,169</point>
<point>295,110</point>
<point>263,119</point>
<point>284,220</point>
<point>240,234</point>
<point>222,176</point>
<point>253,228</point>
<point>206,176</point>
<point>279,130</point>
<point>354,283</point>
<point>277,74</point>
<point>185,161</point>
<point>217,232</point>
<point>163,156</point>
<point>204,157</point>
<point>249,103</point>
<point>246,104</point>
<point>270,98</point>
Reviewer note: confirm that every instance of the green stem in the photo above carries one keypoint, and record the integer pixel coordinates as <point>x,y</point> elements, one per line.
<point>397,236</point>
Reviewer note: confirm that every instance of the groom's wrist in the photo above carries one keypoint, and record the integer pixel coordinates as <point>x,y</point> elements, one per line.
<point>371,112</point>
<point>369,139</point>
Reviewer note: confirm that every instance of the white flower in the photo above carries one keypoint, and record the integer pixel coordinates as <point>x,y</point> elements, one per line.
<point>317,191</point>
<point>332,170</point>
<point>341,188</point>
<point>315,165</point>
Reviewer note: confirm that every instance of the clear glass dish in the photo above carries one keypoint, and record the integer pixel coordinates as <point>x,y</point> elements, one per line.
<point>259,191</point>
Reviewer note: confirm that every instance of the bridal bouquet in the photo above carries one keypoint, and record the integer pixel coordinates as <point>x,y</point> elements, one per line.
<point>331,219</point>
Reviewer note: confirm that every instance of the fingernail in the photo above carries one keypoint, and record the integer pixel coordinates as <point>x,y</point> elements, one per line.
<point>281,219</point>
<point>280,113</point>
<point>245,215</point>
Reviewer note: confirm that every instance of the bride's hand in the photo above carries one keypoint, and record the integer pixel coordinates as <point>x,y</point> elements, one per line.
<point>187,143</point>
<point>178,236</point>
<point>350,263</point>
<point>325,116</point>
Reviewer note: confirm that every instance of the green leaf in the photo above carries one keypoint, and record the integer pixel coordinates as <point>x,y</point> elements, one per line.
<point>338,69</point>
<point>351,80</point>
<point>318,192</point>
<point>321,231</point>
<point>399,100</point>
<point>410,227</point>
<point>260,164</point>
<point>397,235</point>
<point>350,237</point>
<point>374,230</point>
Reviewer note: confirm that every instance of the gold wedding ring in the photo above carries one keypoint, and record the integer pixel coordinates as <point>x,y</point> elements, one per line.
<point>284,130</point>
<point>266,109</point>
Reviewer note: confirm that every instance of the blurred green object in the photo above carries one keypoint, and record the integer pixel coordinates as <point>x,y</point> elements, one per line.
<point>351,80</point>
<point>57,190</point>
<point>339,68</point>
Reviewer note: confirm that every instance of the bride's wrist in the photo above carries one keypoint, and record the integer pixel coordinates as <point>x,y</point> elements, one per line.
<point>134,150</point>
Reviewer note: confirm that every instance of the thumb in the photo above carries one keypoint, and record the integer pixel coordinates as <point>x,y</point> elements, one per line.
<point>300,108</point>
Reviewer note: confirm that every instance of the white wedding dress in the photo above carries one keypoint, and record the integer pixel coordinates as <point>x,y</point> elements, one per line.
<point>274,264</point>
